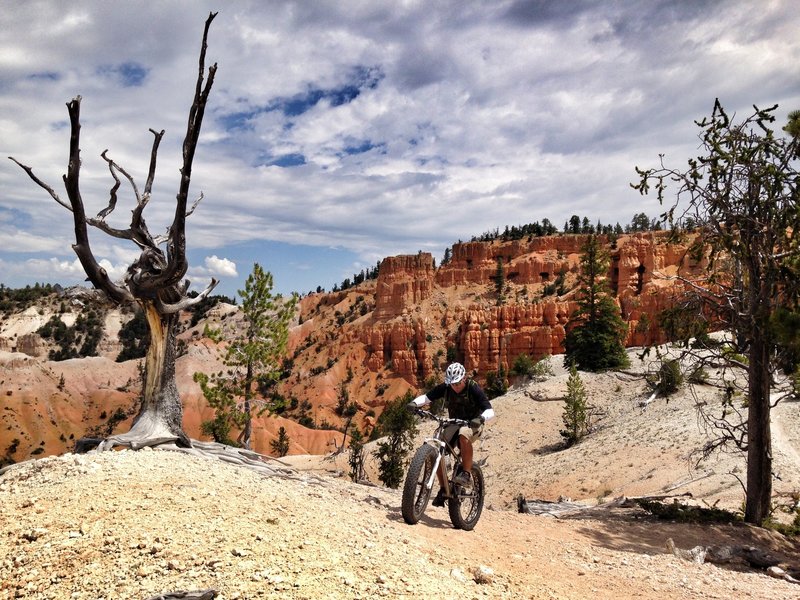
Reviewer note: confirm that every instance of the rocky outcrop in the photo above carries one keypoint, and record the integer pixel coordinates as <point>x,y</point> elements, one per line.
<point>415,302</point>
<point>367,344</point>
<point>538,260</point>
<point>491,339</point>
<point>404,281</point>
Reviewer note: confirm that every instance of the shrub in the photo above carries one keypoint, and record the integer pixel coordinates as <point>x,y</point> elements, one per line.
<point>525,366</point>
<point>670,377</point>
<point>135,337</point>
<point>496,383</point>
<point>356,457</point>
<point>399,427</point>
<point>280,445</point>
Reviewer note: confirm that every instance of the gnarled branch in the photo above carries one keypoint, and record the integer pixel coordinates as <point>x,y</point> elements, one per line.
<point>185,302</point>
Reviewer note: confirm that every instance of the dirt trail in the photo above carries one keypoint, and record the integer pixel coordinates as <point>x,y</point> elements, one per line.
<point>130,525</point>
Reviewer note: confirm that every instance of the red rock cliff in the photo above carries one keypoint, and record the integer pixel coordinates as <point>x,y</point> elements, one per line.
<point>421,311</point>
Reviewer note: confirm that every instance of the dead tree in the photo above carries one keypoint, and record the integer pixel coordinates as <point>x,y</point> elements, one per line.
<point>155,280</point>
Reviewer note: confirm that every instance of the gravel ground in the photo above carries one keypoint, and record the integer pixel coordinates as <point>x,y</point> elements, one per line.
<point>126,524</point>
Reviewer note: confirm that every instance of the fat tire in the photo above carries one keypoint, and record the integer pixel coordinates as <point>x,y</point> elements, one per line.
<point>465,511</point>
<point>415,494</point>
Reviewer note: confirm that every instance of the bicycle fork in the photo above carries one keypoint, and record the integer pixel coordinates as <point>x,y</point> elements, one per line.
<point>436,465</point>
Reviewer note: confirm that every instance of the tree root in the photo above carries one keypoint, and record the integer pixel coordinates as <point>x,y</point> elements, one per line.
<point>260,463</point>
<point>148,430</point>
<point>199,595</point>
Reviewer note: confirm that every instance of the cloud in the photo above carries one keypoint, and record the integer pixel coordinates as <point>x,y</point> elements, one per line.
<point>57,270</point>
<point>127,74</point>
<point>378,128</point>
<point>220,266</point>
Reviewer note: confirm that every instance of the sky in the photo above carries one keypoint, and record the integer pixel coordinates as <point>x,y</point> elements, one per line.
<point>340,133</point>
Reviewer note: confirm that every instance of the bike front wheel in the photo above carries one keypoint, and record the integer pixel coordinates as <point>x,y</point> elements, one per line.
<point>467,502</point>
<point>415,491</point>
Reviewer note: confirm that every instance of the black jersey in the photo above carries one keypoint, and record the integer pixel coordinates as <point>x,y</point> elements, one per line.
<point>467,405</point>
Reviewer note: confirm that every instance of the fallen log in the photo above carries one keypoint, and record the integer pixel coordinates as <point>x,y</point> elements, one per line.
<point>198,595</point>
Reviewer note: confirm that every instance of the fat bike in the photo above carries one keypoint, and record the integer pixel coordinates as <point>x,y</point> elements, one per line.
<point>464,503</point>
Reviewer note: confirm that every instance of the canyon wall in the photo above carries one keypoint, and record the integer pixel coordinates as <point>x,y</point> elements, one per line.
<point>457,303</point>
<point>368,344</point>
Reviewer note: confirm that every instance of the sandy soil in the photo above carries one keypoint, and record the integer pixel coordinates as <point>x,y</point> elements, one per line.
<point>137,524</point>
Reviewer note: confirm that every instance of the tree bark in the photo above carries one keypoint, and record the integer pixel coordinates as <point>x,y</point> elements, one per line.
<point>154,280</point>
<point>160,417</point>
<point>759,437</point>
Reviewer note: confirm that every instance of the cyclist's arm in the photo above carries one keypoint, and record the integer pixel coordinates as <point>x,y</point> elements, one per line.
<point>421,400</point>
<point>434,394</point>
<point>487,412</point>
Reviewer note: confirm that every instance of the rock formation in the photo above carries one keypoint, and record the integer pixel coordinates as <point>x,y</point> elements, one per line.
<point>368,344</point>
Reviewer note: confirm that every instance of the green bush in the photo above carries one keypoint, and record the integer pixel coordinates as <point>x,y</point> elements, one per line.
<point>698,376</point>
<point>280,445</point>
<point>525,366</point>
<point>399,427</point>
<point>681,513</point>
<point>670,377</point>
<point>496,383</point>
<point>135,337</point>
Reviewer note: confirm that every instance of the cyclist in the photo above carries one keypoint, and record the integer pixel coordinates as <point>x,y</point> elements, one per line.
<point>464,399</point>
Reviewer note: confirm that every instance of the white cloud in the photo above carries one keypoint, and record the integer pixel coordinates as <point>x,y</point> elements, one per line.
<point>220,266</point>
<point>486,114</point>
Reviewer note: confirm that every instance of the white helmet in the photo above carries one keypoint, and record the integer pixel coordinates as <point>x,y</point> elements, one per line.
<point>454,373</point>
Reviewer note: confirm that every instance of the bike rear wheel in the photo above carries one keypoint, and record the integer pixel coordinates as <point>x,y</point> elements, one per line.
<point>415,492</point>
<point>467,502</point>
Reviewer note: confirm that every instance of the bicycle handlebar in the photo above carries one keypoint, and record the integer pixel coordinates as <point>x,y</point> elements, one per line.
<point>442,420</point>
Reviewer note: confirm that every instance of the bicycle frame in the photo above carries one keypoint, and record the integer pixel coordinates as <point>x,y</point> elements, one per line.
<point>442,449</point>
<point>431,460</point>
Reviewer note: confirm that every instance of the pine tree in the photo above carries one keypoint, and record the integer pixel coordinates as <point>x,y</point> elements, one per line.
<point>743,191</point>
<point>575,416</point>
<point>399,427</point>
<point>252,358</point>
<point>280,445</point>
<point>356,457</point>
<point>500,281</point>
<point>596,331</point>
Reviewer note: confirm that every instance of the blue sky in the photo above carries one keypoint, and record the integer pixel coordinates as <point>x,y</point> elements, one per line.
<point>339,133</point>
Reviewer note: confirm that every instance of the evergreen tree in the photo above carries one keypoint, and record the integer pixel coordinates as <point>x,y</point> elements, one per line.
<point>640,222</point>
<point>596,332</point>
<point>280,445</point>
<point>399,427</point>
<point>252,358</point>
<point>500,281</point>
<point>574,224</point>
<point>744,192</point>
<point>134,336</point>
<point>496,383</point>
<point>356,457</point>
<point>576,415</point>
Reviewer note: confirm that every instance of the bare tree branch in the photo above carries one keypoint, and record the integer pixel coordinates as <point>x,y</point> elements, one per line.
<point>113,168</point>
<point>176,247</point>
<point>194,205</point>
<point>97,274</point>
<point>41,184</point>
<point>168,309</point>
<point>148,186</point>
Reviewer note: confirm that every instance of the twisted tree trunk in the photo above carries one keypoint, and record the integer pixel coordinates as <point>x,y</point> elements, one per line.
<point>153,281</point>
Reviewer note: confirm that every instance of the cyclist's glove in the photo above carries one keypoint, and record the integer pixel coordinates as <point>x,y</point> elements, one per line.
<point>476,422</point>
<point>411,407</point>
